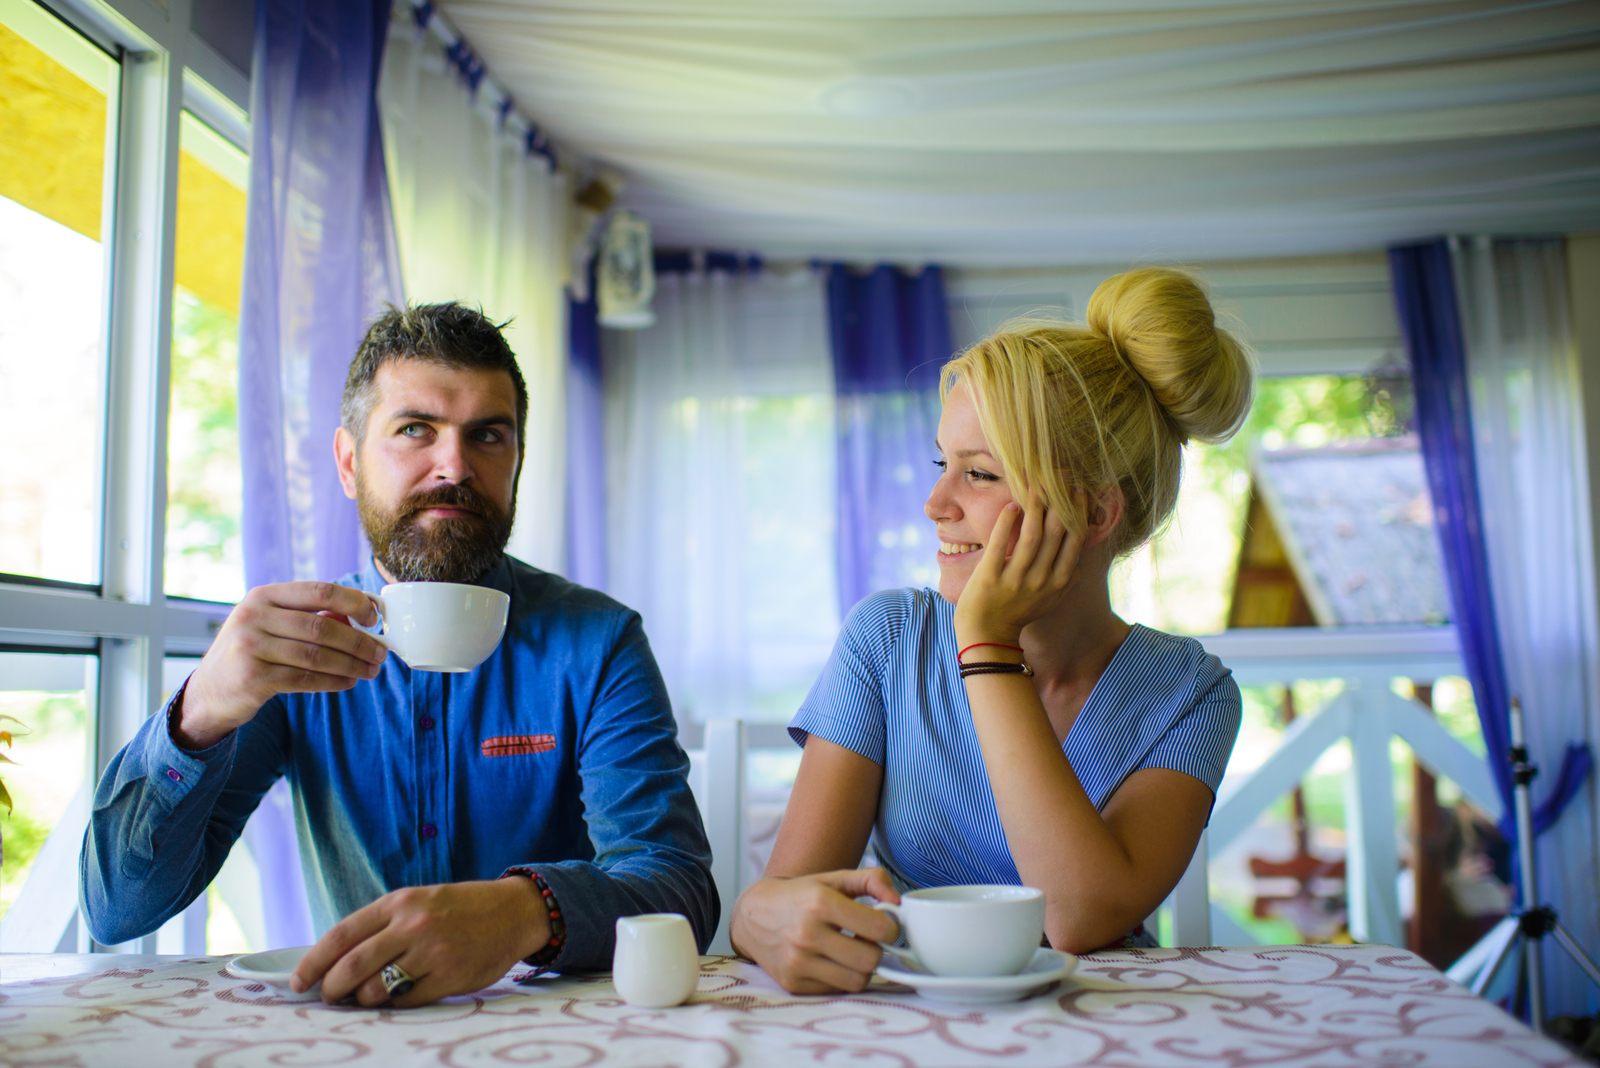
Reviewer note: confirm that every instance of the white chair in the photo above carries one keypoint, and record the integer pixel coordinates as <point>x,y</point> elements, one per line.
<point>1190,901</point>
<point>717,777</point>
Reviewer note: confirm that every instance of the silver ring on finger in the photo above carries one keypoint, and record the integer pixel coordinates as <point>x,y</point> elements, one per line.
<point>396,980</point>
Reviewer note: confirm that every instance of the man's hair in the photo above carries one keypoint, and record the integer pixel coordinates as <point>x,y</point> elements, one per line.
<point>451,335</point>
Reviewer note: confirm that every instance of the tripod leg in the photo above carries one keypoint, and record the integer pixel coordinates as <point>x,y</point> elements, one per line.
<point>1481,983</point>
<point>1570,944</point>
<point>1474,960</point>
<point>1533,955</point>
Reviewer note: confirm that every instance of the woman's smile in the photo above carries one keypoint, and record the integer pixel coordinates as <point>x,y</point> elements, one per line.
<point>950,551</point>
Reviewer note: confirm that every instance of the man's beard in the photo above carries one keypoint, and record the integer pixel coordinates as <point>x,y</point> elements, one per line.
<point>457,549</point>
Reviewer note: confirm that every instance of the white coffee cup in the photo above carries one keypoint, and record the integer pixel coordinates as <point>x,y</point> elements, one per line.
<point>971,930</point>
<point>656,963</point>
<point>440,626</point>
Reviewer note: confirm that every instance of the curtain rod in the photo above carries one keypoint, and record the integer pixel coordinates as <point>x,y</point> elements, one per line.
<point>457,50</point>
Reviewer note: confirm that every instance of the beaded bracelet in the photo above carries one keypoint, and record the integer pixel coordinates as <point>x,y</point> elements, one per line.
<point>547,954</point>
<point>995,667</point>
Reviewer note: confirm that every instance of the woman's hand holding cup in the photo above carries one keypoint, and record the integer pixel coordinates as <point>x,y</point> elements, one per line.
<point>795,929</point>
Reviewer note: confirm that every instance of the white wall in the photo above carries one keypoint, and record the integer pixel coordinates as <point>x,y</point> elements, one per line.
<point>1303,316</point>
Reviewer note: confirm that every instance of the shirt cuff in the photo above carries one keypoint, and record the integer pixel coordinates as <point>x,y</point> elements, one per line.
<point>173,771</point>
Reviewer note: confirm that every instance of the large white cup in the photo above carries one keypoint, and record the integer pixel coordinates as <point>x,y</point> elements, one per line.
<point>971,930</point>
<point>441,626</point>
<point>656,963</point>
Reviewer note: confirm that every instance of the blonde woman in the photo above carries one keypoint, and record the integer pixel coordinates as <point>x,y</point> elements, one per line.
<point>1091,772</point>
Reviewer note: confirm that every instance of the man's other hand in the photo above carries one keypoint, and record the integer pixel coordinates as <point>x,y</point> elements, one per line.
<point>452,939</point>
<point>292,637</point>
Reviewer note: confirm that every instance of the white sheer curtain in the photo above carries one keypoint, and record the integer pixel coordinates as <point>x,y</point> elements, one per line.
<point>1531,473</point>
<point>481,221</point>
<point>719,445</point>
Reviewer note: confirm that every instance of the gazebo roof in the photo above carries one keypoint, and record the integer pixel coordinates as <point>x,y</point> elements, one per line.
<point>1356,525</point>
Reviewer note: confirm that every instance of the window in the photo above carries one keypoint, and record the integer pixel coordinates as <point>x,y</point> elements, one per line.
<point>56,91</point>
<point>204,552</point>
<point>49,695</point>
<point>1258,540</point>
<point>85,254</point>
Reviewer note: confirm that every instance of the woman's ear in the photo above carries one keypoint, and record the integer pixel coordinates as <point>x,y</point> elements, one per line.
<point>1105,513</point>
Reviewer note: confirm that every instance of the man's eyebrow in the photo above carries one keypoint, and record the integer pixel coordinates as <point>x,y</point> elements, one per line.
<point>408,414</point>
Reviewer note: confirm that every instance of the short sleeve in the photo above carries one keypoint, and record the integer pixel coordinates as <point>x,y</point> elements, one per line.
<point>1200,741</point>
<point>846,704</point>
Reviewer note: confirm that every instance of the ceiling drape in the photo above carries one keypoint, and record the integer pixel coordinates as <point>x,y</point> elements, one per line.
<point>1071,132</point>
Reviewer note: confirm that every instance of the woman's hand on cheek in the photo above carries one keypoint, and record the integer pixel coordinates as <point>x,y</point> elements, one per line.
<point>1007,592</point>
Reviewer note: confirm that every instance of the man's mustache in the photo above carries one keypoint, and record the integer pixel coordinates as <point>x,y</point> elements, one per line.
<point>454,496</point>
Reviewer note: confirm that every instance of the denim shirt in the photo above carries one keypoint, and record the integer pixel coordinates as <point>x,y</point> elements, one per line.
<point>557,753</point>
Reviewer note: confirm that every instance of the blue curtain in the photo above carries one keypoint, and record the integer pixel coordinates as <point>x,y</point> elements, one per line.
<point>586,460</point>
<point>1425,297</point>
<point>320,261</point>
<point>890,334</point>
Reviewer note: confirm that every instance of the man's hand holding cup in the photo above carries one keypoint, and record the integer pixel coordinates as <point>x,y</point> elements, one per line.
<point>290,637</point>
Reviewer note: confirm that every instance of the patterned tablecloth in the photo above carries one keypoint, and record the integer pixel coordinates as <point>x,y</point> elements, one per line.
<point>1296,1005</point>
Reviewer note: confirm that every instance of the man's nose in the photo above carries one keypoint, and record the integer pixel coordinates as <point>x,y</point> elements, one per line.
<point>450,460</point>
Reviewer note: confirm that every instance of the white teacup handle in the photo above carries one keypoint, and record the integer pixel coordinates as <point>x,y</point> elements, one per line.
<point>376,633</point>
<point>900,953</point>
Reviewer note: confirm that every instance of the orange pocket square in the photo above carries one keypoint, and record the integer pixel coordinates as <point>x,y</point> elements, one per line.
<point>518,744</point>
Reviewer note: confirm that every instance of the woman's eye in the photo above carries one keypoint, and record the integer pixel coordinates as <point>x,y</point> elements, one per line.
<point>940,464</point>
<point>983,476</point>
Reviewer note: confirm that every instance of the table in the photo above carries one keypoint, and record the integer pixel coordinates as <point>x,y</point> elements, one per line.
<point>1316,1006</point>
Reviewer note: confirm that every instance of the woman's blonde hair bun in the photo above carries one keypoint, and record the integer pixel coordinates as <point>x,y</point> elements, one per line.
<point>1160,320</point>
<point>1071,409</point>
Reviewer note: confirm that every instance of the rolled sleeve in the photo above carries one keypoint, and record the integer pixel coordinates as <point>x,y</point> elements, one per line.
<point>846,704</point>
<point>1200,742</point>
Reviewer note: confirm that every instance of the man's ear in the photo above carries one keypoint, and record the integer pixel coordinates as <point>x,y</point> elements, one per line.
<point>1105,513</point>
<point>344,455</point>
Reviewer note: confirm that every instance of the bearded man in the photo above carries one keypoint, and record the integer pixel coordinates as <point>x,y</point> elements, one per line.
<point>449,824</point>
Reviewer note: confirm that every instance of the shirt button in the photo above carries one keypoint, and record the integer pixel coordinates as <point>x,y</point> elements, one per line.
<point>174,775</point>
<point>427,723</point>
<point>429,830</point>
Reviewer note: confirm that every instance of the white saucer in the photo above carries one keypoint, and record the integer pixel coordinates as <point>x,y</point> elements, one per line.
<point>274,967</point>
<point>1046,967</point>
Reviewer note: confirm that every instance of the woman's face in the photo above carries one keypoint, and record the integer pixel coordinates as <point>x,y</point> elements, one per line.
<point>969,495</point>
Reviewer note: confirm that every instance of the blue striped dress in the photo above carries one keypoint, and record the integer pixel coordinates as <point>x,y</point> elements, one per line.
<point>891,692</point>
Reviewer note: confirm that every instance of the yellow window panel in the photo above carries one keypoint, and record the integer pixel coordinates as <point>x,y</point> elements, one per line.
<point>210,254</point>
<point>52,136</point>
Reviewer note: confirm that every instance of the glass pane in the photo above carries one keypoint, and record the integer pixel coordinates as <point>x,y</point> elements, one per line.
<point>789,557</point>
<point>1316,513</point>
<point>49,694</point>
<point>54,90</point>
<point>204,555</point>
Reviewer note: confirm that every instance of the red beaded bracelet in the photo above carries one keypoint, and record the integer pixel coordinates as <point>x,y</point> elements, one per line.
<point>547,954</point>
<point>997,645</point>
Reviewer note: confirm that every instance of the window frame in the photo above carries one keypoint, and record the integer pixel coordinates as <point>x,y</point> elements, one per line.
<point>128,619</point>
